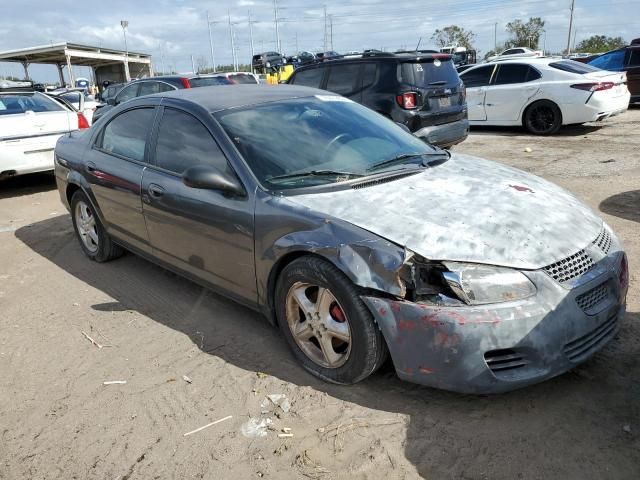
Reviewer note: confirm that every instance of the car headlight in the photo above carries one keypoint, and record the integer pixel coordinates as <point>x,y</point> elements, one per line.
<point>480,284</point>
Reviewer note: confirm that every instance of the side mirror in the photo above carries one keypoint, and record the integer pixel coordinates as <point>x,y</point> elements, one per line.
<point>403,126</point>
<point>112,102</point>
<point>210,178</point>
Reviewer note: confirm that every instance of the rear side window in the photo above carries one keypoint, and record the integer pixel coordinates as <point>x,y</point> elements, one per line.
<point>148,88</point>
<point>309,78</point>
<point>634,57</point>
<point>184,142</point>
<point>477,77</point>
<point>342,79</point>
<point>35,102</point>
<point>612,61</point>
<point>369,71</point>
<point>427,73</point>
<point>515,73</point>
<point>572,66</point>
<point>126,134</point>
<point>207,81</point>
<point>513,51</point>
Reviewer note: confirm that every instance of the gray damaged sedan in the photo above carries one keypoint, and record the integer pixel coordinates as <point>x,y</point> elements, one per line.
<point>357,239</point>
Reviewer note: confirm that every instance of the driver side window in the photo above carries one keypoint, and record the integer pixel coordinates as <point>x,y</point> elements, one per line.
<point>184,142</point>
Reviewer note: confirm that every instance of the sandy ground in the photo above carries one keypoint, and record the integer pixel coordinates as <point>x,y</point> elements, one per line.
<point>58,420</point>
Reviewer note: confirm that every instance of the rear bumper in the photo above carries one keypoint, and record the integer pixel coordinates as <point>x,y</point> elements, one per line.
<point>596,109</point>
<point>502,347</point>
<point>20,163</point>
<point>445,135</point>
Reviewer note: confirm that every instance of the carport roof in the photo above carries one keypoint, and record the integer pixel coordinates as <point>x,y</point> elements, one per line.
<point>56,53</point>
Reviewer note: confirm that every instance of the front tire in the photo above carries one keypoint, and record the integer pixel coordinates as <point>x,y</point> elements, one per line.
<point>542,118</point>
<point>94,240</point>
<point>328,327</point>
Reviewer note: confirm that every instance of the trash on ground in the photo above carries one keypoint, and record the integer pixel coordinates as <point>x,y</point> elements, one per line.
<point>91,339</point>
<point>277,399</point>
<point>261,375</point>
<point>207,425</point>
<point>115,382</point>
<point>285,435</point>
<point>626,428</point>
<point>528,150</point>
<point>255,427</point>
<point>187,379</point>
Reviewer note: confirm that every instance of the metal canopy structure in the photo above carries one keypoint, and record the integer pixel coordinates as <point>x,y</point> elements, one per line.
<point>105,63</point>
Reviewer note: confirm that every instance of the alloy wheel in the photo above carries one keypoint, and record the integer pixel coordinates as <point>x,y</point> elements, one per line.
<point>86,225</point>
<point>318,324</point>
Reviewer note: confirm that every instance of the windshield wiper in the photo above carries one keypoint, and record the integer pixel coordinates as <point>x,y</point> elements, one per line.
<point>441,156</point>
<point>315,173</point>
<point>396,159</point>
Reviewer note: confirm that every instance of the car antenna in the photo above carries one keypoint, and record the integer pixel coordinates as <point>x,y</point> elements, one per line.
<point>418,46</point>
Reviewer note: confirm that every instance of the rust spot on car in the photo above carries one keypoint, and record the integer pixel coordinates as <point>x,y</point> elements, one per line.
<point>382,311</point>
<point>521,188</point>
<point>406,325</point>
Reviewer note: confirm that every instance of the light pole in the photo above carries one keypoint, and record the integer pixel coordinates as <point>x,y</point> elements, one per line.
<point>275,19</point>
<point>213,58</point>
<point>124,24</point>
<point>251,39</point>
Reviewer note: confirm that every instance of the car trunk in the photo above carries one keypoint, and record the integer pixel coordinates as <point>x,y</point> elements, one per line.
<point>440,95</point>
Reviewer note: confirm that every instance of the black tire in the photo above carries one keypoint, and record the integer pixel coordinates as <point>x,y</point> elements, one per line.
<point>542,118</point>
<point>105,249</point>
<point>368,350</point>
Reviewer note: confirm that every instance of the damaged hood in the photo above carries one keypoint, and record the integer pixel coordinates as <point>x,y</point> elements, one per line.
<point>470,210</point>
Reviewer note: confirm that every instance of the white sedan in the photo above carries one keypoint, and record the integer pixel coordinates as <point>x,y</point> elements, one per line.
<point>542,94</point>
<point>82,102</point>
<point>30,125</point>
<point>517,52</point>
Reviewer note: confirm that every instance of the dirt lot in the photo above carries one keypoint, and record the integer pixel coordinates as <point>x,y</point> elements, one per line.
<point>58,420</point>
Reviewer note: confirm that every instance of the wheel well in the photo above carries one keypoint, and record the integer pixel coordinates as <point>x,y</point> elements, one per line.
<point>71,189</point>
<point>524,112</point>
<point>273,279</point>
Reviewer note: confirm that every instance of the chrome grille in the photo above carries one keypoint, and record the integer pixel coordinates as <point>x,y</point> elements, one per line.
<point>587,344</point>
<point>570,267</point>
<point>589,300</point>
<point>603,241</point>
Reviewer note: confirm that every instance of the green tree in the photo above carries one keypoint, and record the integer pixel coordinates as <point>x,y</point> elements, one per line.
<point>599,44</point>
<point>525,34</point>
<point>453,35</point>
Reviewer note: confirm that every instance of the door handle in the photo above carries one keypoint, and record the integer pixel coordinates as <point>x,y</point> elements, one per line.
<point>90,167</point>
<point>155,191</point>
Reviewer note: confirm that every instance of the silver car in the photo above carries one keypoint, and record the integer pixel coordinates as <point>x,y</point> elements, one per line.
<point>357,239</point>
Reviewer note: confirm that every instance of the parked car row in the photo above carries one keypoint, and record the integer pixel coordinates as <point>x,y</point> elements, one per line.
<point>366,243</point>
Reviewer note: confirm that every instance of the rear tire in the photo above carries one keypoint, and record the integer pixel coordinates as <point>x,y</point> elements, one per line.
<point>336,337</point>
<point>542,118</point>
<point>94,239</point>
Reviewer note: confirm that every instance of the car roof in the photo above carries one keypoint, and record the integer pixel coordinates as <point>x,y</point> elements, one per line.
<point>529,60</point>
<point>223,97</point>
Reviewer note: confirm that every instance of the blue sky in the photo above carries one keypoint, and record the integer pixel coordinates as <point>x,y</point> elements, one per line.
<point>178,28</point>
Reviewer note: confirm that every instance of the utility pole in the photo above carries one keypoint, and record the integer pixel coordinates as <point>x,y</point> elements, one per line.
<point>570,27</point>
<point>213,58</point>
<point>233,46</point>
<point>330,32</point>
<point>162,59</point>
<point>325,28</point>
<point>124,24</point>
<point>251,39</point>
<point>495,38</point>
<point>193,65</point>
<point>275,19</point>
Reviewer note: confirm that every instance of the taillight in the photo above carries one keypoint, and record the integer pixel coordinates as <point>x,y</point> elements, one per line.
<point>407,100</point>
<point>82,122</point>
<point>185,82</point>
<point>463,91</point>
<point>593,87</point>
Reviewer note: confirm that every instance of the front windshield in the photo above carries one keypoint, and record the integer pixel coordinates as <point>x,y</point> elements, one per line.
<point>324,133</point>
